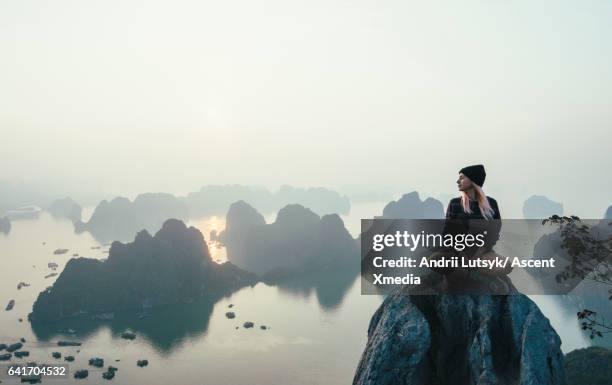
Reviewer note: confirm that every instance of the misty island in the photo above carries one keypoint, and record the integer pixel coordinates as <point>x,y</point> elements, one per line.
<point>172,266</point>
<point>297,242</point>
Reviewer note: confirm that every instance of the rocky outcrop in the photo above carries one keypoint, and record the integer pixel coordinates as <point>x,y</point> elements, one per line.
<point>241,218</point>
<point>215,199</point>
<point>65,208</point>
<point>121,219</point>
<point>460,340</point>
<point>358,195</point>
<point>171,267</point>
<point>318,199</point>
<point>540,207</point>
<point>608,214</point>
<point>5,225</point>
<point>298,241</point>
<point>592,366</point>
<point>410,206</point>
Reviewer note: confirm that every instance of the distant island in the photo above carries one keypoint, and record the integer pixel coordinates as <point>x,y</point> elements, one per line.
<point>5,225</point>
<point>173,266</point>
<point>216,199</point>
<point>121,219</point>
<point>298,241</point>
<point>592,366</point>
<point>65,208</point>
<point>17,194</point>
<point>410,206</point>
<point>539,207</point>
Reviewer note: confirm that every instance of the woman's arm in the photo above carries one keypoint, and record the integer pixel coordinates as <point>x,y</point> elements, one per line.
<point>496,224</point>
<point>445,252</point>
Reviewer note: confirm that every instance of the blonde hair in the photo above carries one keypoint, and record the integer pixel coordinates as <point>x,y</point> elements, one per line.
<point>483,203</point>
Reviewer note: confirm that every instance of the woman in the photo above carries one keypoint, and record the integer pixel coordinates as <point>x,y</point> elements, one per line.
<point>474,212</point>
<point>474,209</point>
<point>473,203</point>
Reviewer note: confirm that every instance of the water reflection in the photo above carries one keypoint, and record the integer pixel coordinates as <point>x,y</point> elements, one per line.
<point>168,327</point>
<point>330,286</point>
<point>165,327</point>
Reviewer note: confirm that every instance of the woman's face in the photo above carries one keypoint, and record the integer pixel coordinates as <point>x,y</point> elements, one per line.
<point>463,183</point>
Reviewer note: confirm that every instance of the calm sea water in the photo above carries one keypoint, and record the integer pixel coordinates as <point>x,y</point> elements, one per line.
<point>317,325</point>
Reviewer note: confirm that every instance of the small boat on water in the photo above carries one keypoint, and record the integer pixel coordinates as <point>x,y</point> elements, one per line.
<point>103,316</point>
<point>142,315</point>
<point>10,305</point>
<point>24,212</point>
<point>68,343</point>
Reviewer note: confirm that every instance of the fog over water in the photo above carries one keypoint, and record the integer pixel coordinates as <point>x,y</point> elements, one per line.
<point>122,98</point>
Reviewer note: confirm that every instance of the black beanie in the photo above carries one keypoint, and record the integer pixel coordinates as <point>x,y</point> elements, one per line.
<point>476,173</point>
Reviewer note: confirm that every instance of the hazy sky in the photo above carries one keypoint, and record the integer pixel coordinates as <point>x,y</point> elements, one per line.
<point>152,95</point>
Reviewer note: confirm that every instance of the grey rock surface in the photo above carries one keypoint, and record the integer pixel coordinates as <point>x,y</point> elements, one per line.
<point>460,340</point>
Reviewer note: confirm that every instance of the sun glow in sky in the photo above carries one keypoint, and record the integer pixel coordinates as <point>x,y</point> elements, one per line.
<point>134,96</point>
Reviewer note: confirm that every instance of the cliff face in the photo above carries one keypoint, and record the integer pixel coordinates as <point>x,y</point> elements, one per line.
<point>240,219</point>
<point>299,240</point>
<point>172,266</point>
<point>460,340</point>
